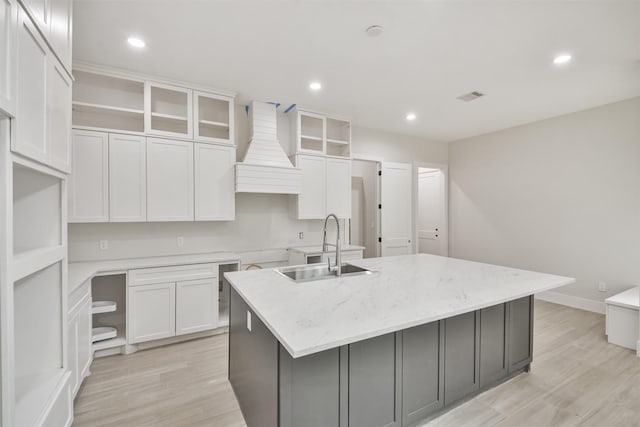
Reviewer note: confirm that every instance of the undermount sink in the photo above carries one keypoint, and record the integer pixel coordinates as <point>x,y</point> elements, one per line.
<point>308,273</point>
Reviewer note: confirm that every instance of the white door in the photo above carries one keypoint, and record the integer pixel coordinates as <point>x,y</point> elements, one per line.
<point>89,180</point>
<point>151,312</point>
<point>196,305</point>
<point>169,180</point>
<point>311,201</point>
<point>215,195</point>
<point>58,116</point>
<point>31,91</point>
<point>8,10</point>
<point>395,216</point>
<point>356,223</point>
<point>430,212</point>
<point>338,173</point>
<point>127,178</point>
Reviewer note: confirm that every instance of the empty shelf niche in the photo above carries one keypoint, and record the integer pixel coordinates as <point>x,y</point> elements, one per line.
<point>36,211</point>
<point>109,311</point>
<point>37,301</point>
<point>106,102</point>
<point>311,133</point>
<point>169,110</point>
<point>213,117</point>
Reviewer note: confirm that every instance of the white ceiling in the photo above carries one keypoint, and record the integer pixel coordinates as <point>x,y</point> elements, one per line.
<point>430,53</point>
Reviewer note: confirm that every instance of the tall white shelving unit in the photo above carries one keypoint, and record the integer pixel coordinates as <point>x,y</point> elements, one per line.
<point>35,129</point>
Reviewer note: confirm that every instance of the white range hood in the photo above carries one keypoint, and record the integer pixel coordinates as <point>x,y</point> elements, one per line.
<point>266,167</point>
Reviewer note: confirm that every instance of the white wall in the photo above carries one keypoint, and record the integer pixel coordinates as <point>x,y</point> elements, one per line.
<point>263,221</point>
<point>559,196</point>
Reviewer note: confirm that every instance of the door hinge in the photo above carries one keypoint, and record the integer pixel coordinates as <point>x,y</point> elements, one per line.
<point>379,173</point>
<point>379,239</point>
<point>379,205</point>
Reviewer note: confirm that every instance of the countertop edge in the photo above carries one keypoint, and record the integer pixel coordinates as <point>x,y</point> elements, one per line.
<point>106,267</point>
<point>395,328</point>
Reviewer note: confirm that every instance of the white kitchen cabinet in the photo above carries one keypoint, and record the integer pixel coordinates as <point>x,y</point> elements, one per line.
<point>213,118</point>
<point>39,10</point>
<point>60,17</point>
<point>31,91</point>
<point>151,312</point>
<point>169,180</point>
<point>312,201</point>
<point>196,305</point>
<point>338,187</point>
<point>127,178</point>
<point>8,15</point>
<point>168,110</point>
<point>326,187</point>
<point>58,117</point>
<point>214,182</point>
<point>79,342</point>
<point>89,180</point>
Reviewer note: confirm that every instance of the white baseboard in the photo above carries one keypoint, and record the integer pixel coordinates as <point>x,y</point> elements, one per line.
<point>572,301</point>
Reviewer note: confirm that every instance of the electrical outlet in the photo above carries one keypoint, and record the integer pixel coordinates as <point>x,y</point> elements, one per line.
<point>180,241</point>
<point>301,235</point>
<point>249,320</point>
<point>602,286</point>
<point>104,245</point>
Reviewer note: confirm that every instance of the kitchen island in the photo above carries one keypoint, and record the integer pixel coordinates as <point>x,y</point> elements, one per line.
<point>391,348</point>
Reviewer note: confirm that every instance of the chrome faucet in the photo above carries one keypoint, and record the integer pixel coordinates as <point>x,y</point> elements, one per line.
<point>338,266</point>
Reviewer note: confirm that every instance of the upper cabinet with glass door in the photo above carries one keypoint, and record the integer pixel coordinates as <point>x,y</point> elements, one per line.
<point>168,110</point>
<point>213,118</point>
<point>320,134</point>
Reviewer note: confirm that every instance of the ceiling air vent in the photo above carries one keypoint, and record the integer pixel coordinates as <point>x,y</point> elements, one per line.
<point>468,97</point>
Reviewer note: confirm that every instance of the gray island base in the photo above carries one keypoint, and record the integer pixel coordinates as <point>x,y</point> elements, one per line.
<point>396,379</point>
<point>419,334</point>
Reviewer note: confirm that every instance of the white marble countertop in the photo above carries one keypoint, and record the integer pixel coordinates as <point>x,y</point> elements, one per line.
<point>317,249</point>
<point>80,272</point>
<point>404,291</point>
<point>629,299</point>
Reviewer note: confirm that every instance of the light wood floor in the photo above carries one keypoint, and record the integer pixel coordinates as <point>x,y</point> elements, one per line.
<point>576,379</point>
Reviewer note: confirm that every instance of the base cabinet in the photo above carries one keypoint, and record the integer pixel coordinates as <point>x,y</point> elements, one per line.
<point>152,310</point>
<point>196,306</point>
<point>79,337</point>
<point>162,302</point>
<point>422,368</point>
<point>401,378</point>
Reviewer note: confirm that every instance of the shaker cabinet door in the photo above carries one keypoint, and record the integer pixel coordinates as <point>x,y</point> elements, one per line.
<point>127,178</point>
<point>215,195</point>
<point>196,305</point>
<point>169,180</point>
<point>89,180</point>
<point>151,312</point>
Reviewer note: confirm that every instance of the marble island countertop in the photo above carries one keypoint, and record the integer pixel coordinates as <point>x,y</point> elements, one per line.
<point>404,291</point>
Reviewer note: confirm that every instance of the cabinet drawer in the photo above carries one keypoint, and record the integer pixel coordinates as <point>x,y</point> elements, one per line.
<point>176,273</point>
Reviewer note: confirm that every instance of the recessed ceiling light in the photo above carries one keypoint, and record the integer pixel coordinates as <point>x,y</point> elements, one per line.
<point>136,42</point>
<point>374,30</point>
<point>411,117</point>
<point>562,59</point>
<point>315,86</point>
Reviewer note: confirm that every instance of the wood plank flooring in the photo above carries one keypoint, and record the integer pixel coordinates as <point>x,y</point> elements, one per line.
<point>577,378</point>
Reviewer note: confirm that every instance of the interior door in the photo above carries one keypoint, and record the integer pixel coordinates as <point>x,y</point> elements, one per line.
<point>430,212</point>
<point>395,215</point>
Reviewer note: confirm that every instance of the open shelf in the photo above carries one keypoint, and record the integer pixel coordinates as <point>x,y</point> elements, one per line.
<point>169,116</point>
<point>26,262</point>
<point>311,138</point>
<point>87,106</point>
<point>215,124</point>
<point>105,102</point>
<point>33,393</point>
<point>103,333</point>
<point>98,89</point>
<point>37,318</point>
<point>99,307</point>
<point>111,292</point>
<point>36,211</point>
<point>337,141</point>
